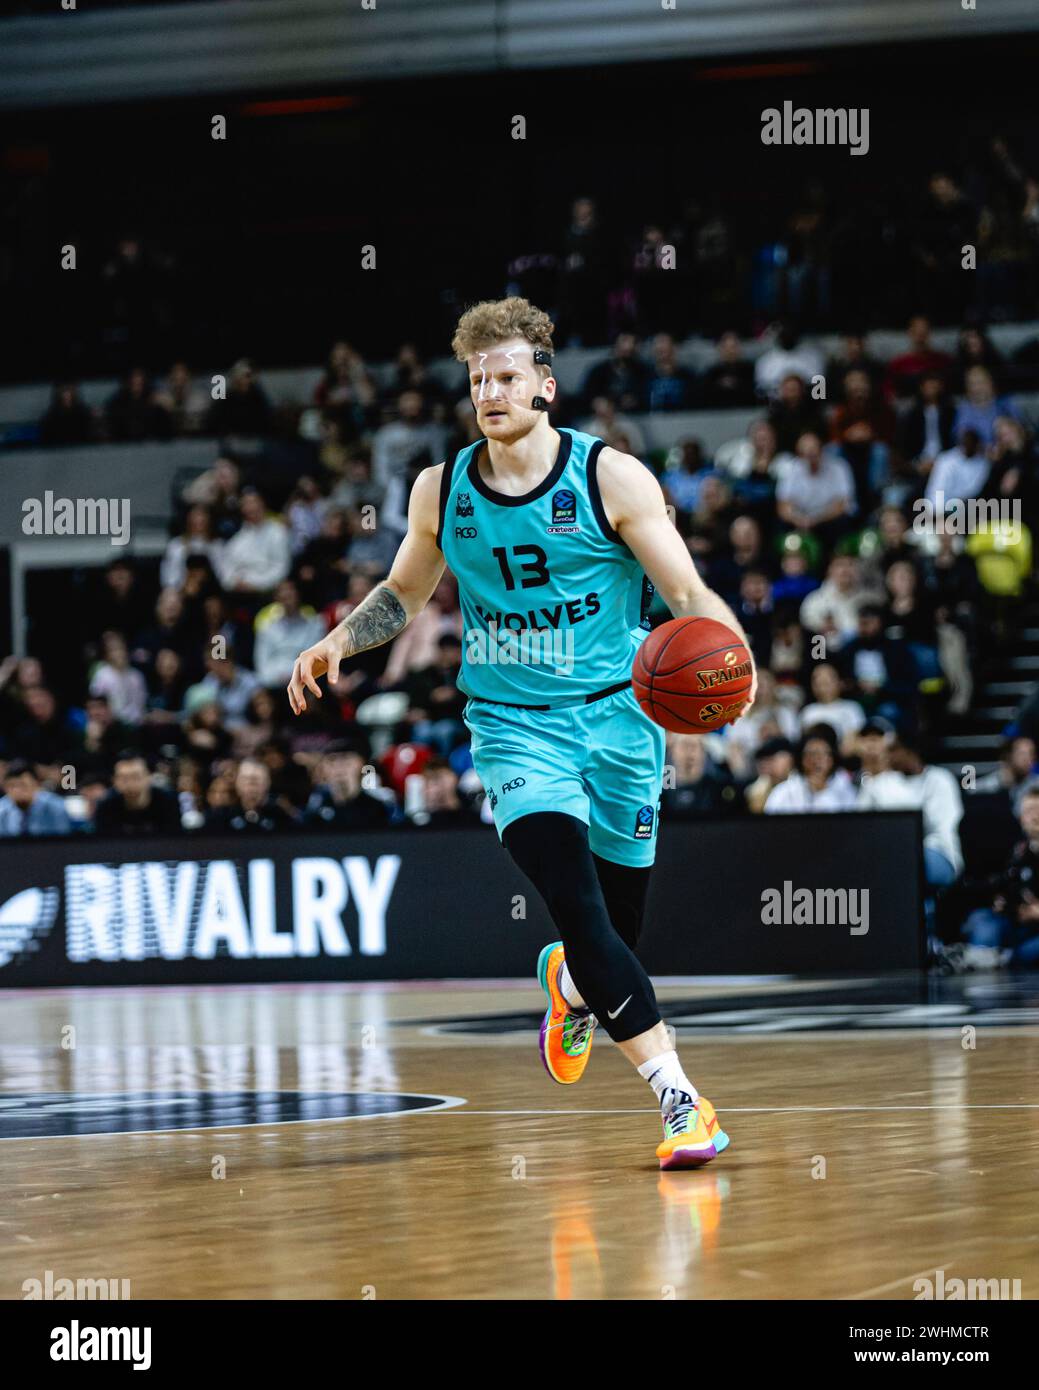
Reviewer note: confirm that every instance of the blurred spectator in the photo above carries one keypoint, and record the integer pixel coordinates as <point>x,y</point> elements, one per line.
<point>42,738</point>
<point>122,606</point>
<point>441,808</point>
<point>1016,774</point>
<point>436,703</point>
<point>775,765</point>
<point>787,357</point>
<point>753,609</point>
<point>245,410</point>
<point>729,383</point>
<point>122,684</point>
<point>1007,932</point>
<point>981,407</point>
<point>845,717</point>
<point>670,386</point>
<point>346,391</point>
<point>975,349</point>
<point>766,719</point>
<point>617,430</point>
<point>853,356</point>
<point>818,784</point>
<point>230,685</point>
<point>909,613</point>
<point>184,403</point>
<point>863,428</point>
<point>683,474</point>
<point>793,412</point>
<point>196,539</point>
<point>832,609</point>
<point>623,378</point>
<point>134,413</point>
<point>959,473</point>
<point>102,735</point>
<point>929,428</point>
<point>920,359</point>
<point>68,420</point>
<point>304,512</point>
<point>702,787</point>
<point>260,725</point>
<point>339,800</point>
<point>284,629</point>
<point>948,221</point>
<point>878,669</point>
<point>134,806</point>
<point>817,492</point>
<point>584,276</point>
<point>409,438</point>
<point>374,548</point>
<point>872,746</point>
<point>26,808</point>
<point>217,489</point>
<point>258,555</point>
<point>912,784</point>
<point>253,809</point>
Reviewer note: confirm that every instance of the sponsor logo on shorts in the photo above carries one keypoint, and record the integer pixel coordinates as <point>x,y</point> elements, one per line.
<point>464,533</point>
<point>644,823</point>
<point>733,670</point>
<point>564,513</point>
<point>514,785</point>
<point>492,797</point>
<point>463,504</point>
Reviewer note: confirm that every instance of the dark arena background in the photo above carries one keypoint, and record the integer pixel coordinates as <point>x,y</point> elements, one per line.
<point>269,1018</point>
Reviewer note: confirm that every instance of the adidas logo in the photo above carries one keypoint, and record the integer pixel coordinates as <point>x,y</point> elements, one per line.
<point>24,919</point>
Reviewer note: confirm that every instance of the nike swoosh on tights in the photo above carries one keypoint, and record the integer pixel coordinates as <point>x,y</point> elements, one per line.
<point>612,1013</point>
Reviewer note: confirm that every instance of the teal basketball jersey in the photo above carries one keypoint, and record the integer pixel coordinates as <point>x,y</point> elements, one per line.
<point>553,602</point>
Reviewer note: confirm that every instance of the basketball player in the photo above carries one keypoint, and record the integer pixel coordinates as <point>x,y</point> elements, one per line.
<point>557,543</point>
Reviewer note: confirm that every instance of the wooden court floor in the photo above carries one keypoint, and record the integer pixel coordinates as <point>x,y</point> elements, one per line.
<point>860,1161</point>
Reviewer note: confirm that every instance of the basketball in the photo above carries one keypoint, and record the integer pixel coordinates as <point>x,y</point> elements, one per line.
<point>692,675</point>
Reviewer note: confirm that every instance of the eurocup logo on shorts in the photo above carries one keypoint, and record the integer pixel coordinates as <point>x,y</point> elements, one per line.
<point>644,823</point>
<point>463,504</point>
<point>564,513</point>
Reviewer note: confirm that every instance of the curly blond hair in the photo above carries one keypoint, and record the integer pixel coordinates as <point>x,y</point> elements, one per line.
<point>496,321</point>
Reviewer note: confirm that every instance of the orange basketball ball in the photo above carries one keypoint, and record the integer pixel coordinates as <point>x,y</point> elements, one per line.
<point>692,675</point>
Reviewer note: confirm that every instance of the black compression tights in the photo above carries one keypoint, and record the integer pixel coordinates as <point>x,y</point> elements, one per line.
<point>597,907</point>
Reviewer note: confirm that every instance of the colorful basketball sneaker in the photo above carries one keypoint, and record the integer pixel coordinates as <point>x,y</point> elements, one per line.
<point>566,1033</point>
<point>692,1135</point>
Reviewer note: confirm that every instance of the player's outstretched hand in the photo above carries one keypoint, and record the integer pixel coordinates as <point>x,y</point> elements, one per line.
<point>321,659</point>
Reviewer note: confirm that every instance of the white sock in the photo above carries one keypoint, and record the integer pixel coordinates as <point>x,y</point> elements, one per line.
<point>669,1081</point>
<point>568,989</point>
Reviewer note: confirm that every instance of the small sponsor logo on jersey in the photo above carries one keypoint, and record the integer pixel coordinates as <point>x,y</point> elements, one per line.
<point>492,797</point>
<point>514,785</point>
<point>731,671</point>
<point>465,533</point>
<point>644,823</point>
<point>564,513</point>
<point>463,504</point>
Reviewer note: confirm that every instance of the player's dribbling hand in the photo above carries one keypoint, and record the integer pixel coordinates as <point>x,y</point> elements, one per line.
<point>321,659</point>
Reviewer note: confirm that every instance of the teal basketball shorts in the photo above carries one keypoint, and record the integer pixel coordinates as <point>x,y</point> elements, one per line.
<point>603,763</point>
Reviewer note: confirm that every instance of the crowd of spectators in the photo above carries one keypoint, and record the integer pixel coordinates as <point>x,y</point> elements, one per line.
<point>866,615</point>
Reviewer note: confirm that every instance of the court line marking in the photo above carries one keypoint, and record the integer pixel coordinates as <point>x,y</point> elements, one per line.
<point>742,1109</point>
<point>444,1103</point>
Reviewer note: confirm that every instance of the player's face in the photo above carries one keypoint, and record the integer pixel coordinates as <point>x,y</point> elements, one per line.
<point>502,382</point>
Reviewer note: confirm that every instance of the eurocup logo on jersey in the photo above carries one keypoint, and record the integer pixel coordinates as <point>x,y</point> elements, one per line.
<point>564,514</point>
<point>463,504</point>
<point>644,823</point>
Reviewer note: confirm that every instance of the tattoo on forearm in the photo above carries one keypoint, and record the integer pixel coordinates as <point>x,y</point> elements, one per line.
<point>375,620</point>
